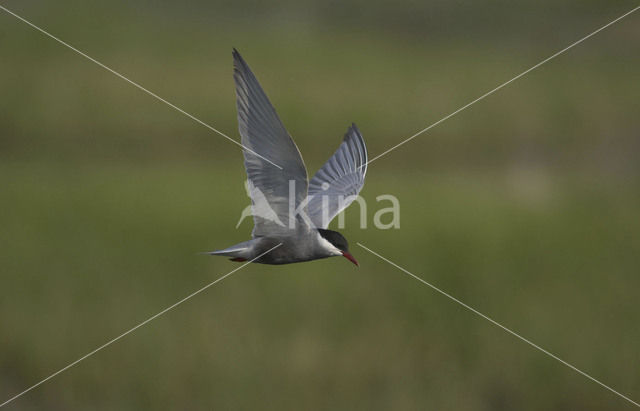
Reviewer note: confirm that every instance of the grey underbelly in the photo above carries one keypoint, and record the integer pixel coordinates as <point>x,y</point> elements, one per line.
<point>291,250</point>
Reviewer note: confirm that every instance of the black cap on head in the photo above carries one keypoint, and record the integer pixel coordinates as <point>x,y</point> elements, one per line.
<point>335,238</point>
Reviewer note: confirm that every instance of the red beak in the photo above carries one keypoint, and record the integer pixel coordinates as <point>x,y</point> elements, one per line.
<point>350,258</point>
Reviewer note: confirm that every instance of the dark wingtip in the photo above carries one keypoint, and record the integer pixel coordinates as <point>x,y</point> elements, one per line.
<point>352,129</point>
<point>237,58</point>
<point>240,66</point>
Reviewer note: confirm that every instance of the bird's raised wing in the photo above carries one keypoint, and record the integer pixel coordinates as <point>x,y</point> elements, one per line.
<point>339,181</point>
<point>262,132</point>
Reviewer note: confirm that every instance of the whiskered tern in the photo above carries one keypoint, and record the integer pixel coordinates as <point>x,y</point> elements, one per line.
<point>287,208</point>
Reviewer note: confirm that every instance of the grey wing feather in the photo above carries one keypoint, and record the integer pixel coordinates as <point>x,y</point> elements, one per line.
<point>340,179</point>
<point>263,132</point>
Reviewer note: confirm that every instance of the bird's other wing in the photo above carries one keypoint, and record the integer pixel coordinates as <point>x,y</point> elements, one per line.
<point>263,133</point>
<point>339,181</point>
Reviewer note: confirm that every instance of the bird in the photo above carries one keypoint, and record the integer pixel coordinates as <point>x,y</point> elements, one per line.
<point>291,213</point>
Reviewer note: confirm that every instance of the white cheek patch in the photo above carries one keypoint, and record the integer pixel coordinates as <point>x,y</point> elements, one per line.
<point>328,246</point>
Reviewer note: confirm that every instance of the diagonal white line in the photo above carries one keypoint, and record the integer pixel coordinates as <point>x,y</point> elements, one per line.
<point>135,328</point>
<point>500,325</point>
<point>501,86</point>
<point>152,94</point>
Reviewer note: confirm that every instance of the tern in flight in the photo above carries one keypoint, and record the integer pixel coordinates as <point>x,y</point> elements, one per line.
<point>290,212</point>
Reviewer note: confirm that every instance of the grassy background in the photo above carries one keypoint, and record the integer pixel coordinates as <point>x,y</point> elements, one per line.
<point>525,206</point>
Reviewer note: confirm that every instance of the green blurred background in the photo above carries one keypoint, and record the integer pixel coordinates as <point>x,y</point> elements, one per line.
<point>526,206</point>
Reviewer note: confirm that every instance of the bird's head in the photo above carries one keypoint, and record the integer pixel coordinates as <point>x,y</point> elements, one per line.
<point>337,244</point>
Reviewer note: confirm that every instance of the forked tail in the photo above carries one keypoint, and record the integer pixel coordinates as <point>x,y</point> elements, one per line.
<point>239,252</point>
